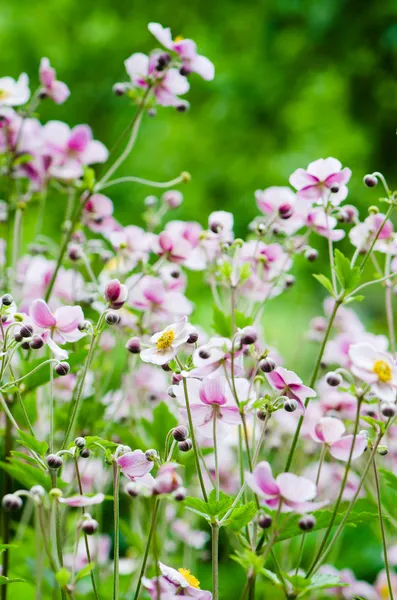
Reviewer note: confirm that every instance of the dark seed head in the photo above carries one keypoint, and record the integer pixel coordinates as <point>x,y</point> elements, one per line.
<point>54,461</point>
<point>90,526</point>
<point>333,379</point>
<point>180,433</point>
<point>370,181</point>
<point>185,446</point>
<point>85,452</point>
<point>267,365</point>
<point>248,336</point>
<point>193,337</point>
<point>388,409</point>
<point>26,330</point>
<point>134,345</point>
<point>204,354</point>
<point>180,494</point>
<point>265,521</point>
<point>36,342</point>
<point>62,368</point>
<point>11,502</point>
<point>307,522</point>
<point>7,300</point>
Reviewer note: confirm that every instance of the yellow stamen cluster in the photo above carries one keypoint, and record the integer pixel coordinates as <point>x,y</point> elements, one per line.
<point>191,579</point>
<point>383,370</point>
<point>165,340</point>
<point>4,94</point>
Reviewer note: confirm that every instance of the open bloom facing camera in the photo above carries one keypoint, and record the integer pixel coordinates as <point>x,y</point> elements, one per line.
<point>166,343</point>
<point>377,369</point>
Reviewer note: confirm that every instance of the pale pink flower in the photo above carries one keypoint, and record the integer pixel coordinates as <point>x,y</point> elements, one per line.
<point>166,343</point>
<point>376,368</point>
<point>187,51</point>
<point>330,430</point>
<point>98,215</point>
<point>83,501</point>
<point>135,465</point>
<point>363,234</point>
<point>269,202</point>
<point>150,295</point>
<point>289,384</point>
<point>54,89</point>
<point>14,92</point>
<point>354,589</point>
<point>132,244</point>
<point>316,183</point>
<point>293,492</point>
<point>63,322</point>
<point>99,546</point>
<point>323,224</point>
<point>172,582</point>
<point>381,585</point>
<point>167,479</point>
<point>211,358</point>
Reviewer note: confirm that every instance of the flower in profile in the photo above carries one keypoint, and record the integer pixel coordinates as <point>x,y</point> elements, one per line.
<point>63,322</point>
<point>324,224</point>
<point>354,588</point>
<point>363,234</point>
<point>376,368</point>
<point>174,583</point>
<point>135,465</point>
<point>14,92</point>
<point>323,179</point>
<point>52,88</point>
<point>83,501</point>
<point>165,343</point>
<point>292,492</point>
<point>274,202</point>
<point>186,50</point>
<point>330,430</point>
<point>289,384</point>
<point>98,214</point>
<point>167,479</point>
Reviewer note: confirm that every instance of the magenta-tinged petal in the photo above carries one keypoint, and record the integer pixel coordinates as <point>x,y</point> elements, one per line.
<point>230,415</point>
<point>261,480</point>
<point>305,507</point>
<point>276,380</point>
<point>212,392</point>
<point>80,136</point>
<point>82,501</point>
<point>294,488</point>
<point>329,430</point>
<point>59,92</point>
<point>301,178</point>
<point>41,314</point>
<point>341,448</point>
<point>312,193</point>
<point>95,152</point>
<point>341,177</point>
<point>134,464</point>
<point>68,318</point>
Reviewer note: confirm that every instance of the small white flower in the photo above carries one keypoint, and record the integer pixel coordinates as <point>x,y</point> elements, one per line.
<point>376,368</point>
<point>166,343</point>
<point>14,92</point>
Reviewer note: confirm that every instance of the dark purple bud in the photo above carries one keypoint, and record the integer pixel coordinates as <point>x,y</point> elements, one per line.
<point>54,461</point>
<point>166,367</point>
<point>333,379</point>
<point>289,281</point>
<point>17,337</point>
<point>290,405</point>
<point>275,229</point>
<point>248,336</point>
<point>285,211</point>
<point>11,502</point>
<point>185,71</point>
<point>7,300</point>
<point>267,365</point>
<point>90,526</point>
<point>180,494</point>
<point>79,442</point>
<point>151,455</point>
<point>307,522</point>
<point>182,107</point>
<point>84,325</point>
<point>116,293</point>
<point>180,433</point>
<point>261,414</point>
<point>185,446</point>
<point>112,318</point>
<point>25,345</point>
<point>74,252</point>
<point>134,345</point>
<point>334,189</point>
<point>204,354</point>
<point>119,89</point>
<point>26,330</point>
<point>176,378</point>
<point>193,337</point>
<point>62,369</point>
<point>36,342</point>
<point>311,254</point>
<point>163,61</point>
<point>265,521</point>
<point>370,181</point>
<point>132,489</point>
<point>85,453</point>
<point>388,409</point>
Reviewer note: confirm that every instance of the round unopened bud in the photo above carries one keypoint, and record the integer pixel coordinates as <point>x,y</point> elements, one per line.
<point>62,368</point>
<point>25,345</point>
<point>11,502</point>
<point>186,445</point>
<point>290,405</point>
<point>180,494</point>
<point>79,442</point>
<point>289,281</point>
<point>112,318</point>
<point>261,414</point>
<point>334,188</point>
<point>333,379</point>
<point>152,112</point>
<point>182,107</point>
<point>180,433</point>
<point>388,409</point>
<point>373,210</point>
<point>275,229</point>
<point>285,211</point>
<point>265,521</point>
<point>90,526</point>
<point>311,254</point>
<point>370,181</point>
<point>26,330</point>
<point>37,490</point>
<point>84,325</point>
<point>36,342</point>
<point>176,378</point>
<point>171,392</point>
<point>382,450</point>
<point>151,455</point>
<point>119,89</point>
<point>134,345</point>
<point>7,300</point>
<point>307,522</point>
<point>166,367</point>
<point>85,453</point>
<point>54,461</point>
<point>172,198</point>
<point>150,201</point>
<point>185,176</point>
<point>204,354</point>
<point>74,252</point>
<point>193,337</point>
<point>132,489</point>
<point>248,336</point>
<point>267,365</point>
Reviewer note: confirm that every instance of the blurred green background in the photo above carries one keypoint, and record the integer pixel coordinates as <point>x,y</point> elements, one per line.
<point>295,80</point>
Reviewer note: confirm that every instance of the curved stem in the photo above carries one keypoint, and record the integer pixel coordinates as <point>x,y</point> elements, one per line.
<point>214,419</point>
<point>131,179</point>
<point>368,254</point>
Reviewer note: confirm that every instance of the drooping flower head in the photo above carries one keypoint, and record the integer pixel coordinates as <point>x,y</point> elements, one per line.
<point>52,88</point>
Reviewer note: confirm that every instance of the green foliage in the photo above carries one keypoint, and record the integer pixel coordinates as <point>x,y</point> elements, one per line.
<point>348,276</point>
<point>241,516</point>
<point>222,323</point>
<point>30,442</point>
<point>325,282</point>
<point>157,429</point>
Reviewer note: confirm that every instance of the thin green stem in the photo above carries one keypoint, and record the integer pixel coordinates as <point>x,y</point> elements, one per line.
<point>215,552</point>
<point>116,522</point>
<point>192,434</point>
<point>155,184</point>
<point>147,549</point>
<point>368,254</point>
<point>382,529</point>
<point>214,420</point>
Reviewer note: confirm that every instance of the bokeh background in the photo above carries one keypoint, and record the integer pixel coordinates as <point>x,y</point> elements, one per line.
<point>296,80</point>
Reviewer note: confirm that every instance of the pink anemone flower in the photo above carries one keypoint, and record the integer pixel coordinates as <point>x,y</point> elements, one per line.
<point>175,584</point>
<point>319,181</point>
<point>135,465</point>
<point>294,493</point>
<point>376,368</point>
<point>54,89</point>
<point>289,384</point>
<point>83,501</point>
<point>330,430</point>
<point>62,325</point>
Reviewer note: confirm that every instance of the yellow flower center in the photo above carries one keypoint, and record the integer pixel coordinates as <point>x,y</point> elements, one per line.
<point>383,370</point>
<point>191,579</point>
<point>384,592</point>
<point>178,38</point>
<point>4,94</point>
<point>165,340</point>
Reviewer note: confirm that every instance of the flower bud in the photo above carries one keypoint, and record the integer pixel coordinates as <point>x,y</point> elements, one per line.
<point>90,526</point>
<point>290,405</point>
<point>289,281</point>
<point>311,254</point>
<point>373,210</point>
<point>26,330</point>
<point>36,342</point>
<point>171,392</point>
<point>204,354</point>
<point>84,325</point>
<point>333,379</point>
<point>382,450</point>
<point>132,489</point>
<point>7,300</point>
<point>193,337</point>
<point>172,198</point>
<point>180,494</point>
<point>248,336</point>
<point>119,89</point>
<point>388,409</point>
<point>79,442</point>
<point>265,521</point>
<point>74,252</point>
<point>62,368</point>
<point>112,318</point>
<point>370,181</point>
<point>334,188</point>
<point>151,455</point>
<point>180,433</point>
<point>37,490</point>
<point>134,345</point>
<point>307,522</point>
<point>25,345</point>
<point>166,367</point>
<point>285,211</point>
<point>150,201</point>
<point>85,453</point>
<point>54,461</point>
<point>261,414</point>
<point>183,107</point>
<point>11,502</point>
<point>116,293</point>
<point>185,446</point>
<point>176,378</point>
<point>152,112</point>
<point>267,365</point>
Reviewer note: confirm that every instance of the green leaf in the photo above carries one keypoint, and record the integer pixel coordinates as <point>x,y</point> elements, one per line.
<point>325,282</point>
<point>354,299</point>
<point>30,442</point>
<point>28,475</point>
<point>241,516</point>
<point>92,441</point>
<point>348,276</point>
<point>242,320</point>
<point>250,561</point>
<point>271,576</point>
<point>197,505</point>
<point>163,421</point>
<point>63,576</point>
<point>390,478</point>
<point>221,323</point>
<point>7,580</point>
<point>375,423</point>
<point>219,508</point>
<point>321,581</point>
<point>85,571</point>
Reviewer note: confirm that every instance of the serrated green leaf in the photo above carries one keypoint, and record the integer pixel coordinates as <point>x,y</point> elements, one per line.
<point>218,508</point>
<point>197,505</point>
<point>221,323</point>
<point>85,571</point>
<point>93,441</point>
<point>241,516</point>
<point>375,423</point>
<point>242,320</point>
<point>30,442</point>
<point>28,475</point>
<point>348,276</point>
<point>325,282</point>
<point>321,581</point>
<point>157,429</point>
<point>390,478</point>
